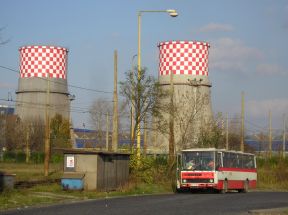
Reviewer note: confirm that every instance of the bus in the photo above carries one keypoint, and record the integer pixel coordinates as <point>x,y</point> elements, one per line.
<point>217,169</point>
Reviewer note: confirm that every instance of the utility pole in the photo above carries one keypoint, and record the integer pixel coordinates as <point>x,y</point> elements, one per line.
<point>107,131</point>
<point>47,129</point>
<point>115,107</point>
<point>145,137</point>
<point>27,142</point>
<point>171,122</point>
<point>227,132</point>
<point>242,123</point>
<point>284,136</point>
<point>270,134</point>
<point>132,111</point>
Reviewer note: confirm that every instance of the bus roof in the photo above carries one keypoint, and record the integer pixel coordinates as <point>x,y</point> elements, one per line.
<point>214,149</point>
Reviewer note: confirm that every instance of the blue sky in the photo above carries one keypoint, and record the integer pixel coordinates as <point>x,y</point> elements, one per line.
<point>248,47</point>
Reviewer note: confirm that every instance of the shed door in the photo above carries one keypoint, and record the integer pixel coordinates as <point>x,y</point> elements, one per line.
<point>109,173</point>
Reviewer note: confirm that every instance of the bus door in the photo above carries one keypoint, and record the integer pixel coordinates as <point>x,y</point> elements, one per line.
<point>219,161</point>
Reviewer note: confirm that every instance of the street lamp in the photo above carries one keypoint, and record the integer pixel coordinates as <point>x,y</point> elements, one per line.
<point>172,13</point>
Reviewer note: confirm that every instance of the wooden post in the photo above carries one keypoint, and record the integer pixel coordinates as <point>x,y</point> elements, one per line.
<point>242,124</point>
<point>227,132</point>
<point>115,107</point>
<point>47,129</point>
<point>270,134</point>
<point>107,131</point>
<point>284,136</point>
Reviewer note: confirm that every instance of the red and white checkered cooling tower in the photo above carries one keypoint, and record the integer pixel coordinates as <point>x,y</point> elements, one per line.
<point>183,58</point>
<point>37,63</point>
<point>188,62</point>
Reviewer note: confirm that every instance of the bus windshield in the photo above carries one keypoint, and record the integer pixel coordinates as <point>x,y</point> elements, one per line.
<point>198,161</point>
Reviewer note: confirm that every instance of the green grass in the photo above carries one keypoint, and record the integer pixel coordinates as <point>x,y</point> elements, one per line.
<point>272,174</point>
<point>53,193</point>
<point>30,172</point>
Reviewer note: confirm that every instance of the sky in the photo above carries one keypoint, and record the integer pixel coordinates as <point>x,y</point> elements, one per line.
<point>248,48</point>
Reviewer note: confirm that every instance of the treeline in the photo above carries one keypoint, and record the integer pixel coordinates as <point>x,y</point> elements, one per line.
<point>21,139</point>
<point>35,157</point>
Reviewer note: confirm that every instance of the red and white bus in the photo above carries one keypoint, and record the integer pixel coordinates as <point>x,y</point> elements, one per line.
<point>218,169</point>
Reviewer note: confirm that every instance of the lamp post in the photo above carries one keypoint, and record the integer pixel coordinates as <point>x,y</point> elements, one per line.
<point>172,13</point>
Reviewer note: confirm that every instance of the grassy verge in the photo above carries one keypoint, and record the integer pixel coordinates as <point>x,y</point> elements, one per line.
<point>272,174</point>
<point>52,193</point>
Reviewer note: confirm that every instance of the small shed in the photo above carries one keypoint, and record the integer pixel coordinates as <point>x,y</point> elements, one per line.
<point>96,170</point>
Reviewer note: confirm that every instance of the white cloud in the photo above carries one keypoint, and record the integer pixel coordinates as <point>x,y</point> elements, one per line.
<point>270,69</point>
<point>231,55</point>
<point>261,108</point>
<point>212,27</point>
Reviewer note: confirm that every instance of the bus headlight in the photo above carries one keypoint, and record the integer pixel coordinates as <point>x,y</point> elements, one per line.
<point>211,180</point>
<point>184,180</point>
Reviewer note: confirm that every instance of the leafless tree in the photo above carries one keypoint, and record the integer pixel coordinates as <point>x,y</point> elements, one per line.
<point>98,113</point>
<point>142,92</point>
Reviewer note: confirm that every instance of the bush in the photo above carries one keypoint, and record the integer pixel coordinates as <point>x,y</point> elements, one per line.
<point>9,156</point>
<point>37,157</point>
<point>20,157</point>
<point>149,169</point>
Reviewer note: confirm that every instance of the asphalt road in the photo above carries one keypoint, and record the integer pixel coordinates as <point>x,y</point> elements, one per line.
<point>187,203</point>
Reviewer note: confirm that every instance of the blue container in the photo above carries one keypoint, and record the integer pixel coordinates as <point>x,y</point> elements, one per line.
<point>72,181</point>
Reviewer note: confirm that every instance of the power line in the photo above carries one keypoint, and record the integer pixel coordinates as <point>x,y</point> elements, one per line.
<point>69,85</point>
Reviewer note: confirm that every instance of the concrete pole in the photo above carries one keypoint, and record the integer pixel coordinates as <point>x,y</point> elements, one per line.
<point>171,122</point>
<point>138,132</point>
<point>145,137</point>
<point>284,136</point>
<point>47,129</point>
<point>115,107</point>
<point>227,132</point>
<point>27,142</point>
<point>132,111</point>
<point>242,123</point>
<point>270,134</point>
<point>107,131</point>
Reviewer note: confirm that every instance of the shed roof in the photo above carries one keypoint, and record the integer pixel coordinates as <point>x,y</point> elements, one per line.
<point>91,151</point>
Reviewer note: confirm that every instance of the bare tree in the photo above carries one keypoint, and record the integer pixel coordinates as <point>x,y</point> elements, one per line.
<point>188,113</point>
<point>142,92</point>
<point>98,112</point>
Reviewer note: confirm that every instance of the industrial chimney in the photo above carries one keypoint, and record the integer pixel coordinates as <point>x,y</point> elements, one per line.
<point>187,63</point>
<point>43,82</point>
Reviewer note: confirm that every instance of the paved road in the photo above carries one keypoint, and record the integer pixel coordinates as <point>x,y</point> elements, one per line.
<point>199,203</point>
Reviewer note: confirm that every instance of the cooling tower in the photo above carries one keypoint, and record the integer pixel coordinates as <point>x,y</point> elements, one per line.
<point>43,82</point>
<point>187,62</point>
